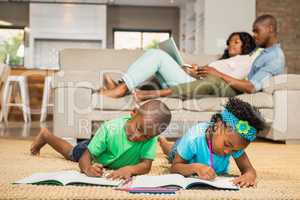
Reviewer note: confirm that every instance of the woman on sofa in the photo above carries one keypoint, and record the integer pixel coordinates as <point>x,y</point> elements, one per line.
<point>185,81</point>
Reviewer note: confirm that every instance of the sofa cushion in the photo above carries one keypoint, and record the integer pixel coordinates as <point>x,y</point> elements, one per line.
<point>260,100</point>
<point>128,103</point>
<point>106,103</point>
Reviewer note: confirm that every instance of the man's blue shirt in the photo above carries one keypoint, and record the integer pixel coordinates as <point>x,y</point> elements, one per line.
<point>269,63</point>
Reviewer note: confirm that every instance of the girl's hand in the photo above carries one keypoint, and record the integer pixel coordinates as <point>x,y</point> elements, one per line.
<point>204,172</point>
<point>246,180</point>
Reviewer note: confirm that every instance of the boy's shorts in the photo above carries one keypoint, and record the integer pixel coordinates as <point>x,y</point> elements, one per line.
<point>77,151</point>
<point>173,151</point>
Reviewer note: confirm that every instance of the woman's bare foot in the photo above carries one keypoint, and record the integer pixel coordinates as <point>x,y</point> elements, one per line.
<point>116,92</point>
<point>165,145</point>
<point>109,83</point>
<point>39,141</point>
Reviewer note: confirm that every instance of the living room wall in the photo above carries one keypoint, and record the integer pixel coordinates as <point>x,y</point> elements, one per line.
<point>137,17</point>
<point>287,13</point>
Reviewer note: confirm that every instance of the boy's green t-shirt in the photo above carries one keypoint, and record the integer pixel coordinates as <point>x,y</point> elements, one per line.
<point>112,149</point>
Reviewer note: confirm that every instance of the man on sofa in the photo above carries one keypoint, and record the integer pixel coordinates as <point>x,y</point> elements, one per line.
<point>269,63</point>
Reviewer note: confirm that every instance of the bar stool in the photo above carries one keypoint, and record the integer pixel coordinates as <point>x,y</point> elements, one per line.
<point>7,92</point>
<point>46,98</point>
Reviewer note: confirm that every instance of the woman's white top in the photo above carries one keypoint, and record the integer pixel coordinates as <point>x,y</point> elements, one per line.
<point>238,66</point>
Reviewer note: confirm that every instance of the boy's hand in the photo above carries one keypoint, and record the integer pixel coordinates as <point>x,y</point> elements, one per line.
<point>203,171</point>
<point>245,180</point>
<point>94,170</point>
<point>122,173</point>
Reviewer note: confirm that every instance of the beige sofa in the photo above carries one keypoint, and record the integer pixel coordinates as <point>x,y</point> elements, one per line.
<point>78,107</point>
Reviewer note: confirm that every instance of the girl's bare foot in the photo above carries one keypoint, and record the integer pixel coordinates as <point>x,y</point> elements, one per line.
<point>39,141</point>
<point>165,145</point>
<point>109,83</point>
<point>117,92</point>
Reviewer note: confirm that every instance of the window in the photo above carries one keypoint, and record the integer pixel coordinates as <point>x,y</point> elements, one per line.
<point>12,46</point>
<point>128,39</point>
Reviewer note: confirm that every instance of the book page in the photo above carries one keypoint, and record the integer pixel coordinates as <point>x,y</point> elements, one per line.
<point>158,181</point>
<point>218,182</point>
<point>40,177</point>
<point>67,177</point>
<point>82,178</point>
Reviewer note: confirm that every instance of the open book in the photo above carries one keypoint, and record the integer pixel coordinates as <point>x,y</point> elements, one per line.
<point>169,46</point>
<point>139,184</point>
<point>177,180</point>
<point>70,177</point>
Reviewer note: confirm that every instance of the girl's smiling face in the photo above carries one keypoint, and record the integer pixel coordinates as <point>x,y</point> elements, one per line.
<point>226,141</point>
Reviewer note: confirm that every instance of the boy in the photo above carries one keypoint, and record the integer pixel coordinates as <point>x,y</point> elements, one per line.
<point>127,144</point>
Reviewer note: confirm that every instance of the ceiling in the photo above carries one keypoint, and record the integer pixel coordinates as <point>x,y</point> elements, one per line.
<point>160,3</point>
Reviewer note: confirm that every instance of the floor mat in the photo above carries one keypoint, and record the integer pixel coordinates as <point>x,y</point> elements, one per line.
<point>277,165</point>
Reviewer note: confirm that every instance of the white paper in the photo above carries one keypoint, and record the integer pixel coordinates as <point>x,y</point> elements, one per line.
<point>66,177</point>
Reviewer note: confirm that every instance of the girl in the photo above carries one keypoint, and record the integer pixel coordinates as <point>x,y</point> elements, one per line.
<point>206,148</point>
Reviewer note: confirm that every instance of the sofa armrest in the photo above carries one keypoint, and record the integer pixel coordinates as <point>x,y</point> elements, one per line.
<point>77,79</point>
<point>282,82</point>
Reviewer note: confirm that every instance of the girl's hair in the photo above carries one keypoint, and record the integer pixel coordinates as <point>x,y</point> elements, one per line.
<point>243,111</point>
<point>248,44</point>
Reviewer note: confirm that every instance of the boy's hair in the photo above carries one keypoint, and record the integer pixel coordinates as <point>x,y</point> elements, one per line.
<point>243,111</point>
<point>158,112</point>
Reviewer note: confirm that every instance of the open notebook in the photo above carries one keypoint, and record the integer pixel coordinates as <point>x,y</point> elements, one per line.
<point>70,177</point>
<point>177,180</point>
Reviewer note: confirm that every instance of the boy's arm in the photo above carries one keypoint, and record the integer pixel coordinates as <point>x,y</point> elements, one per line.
<point>240,85</point>
<point>86,166</point>
<point>248,177</point>
<point>126,172</point>
<point>181,166</point>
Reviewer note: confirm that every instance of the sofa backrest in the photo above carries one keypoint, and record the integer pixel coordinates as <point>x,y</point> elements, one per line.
<point>111,59</point>
<point>97,59</point>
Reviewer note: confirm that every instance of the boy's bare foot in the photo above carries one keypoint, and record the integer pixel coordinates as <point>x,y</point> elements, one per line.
<point>117,92</point>
<point>165,145</point>
<point>109,83</point>
<point>39,141</point>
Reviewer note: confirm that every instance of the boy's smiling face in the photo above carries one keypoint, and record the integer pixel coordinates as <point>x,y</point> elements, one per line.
<point>139,128</point>
<point>226,141</point>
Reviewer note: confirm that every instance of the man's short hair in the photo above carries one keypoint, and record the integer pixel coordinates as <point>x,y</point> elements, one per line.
<point>268,20</point>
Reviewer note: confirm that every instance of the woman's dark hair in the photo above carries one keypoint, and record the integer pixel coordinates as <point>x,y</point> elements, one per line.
<point>248,43</point>
<point>244,111</point>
